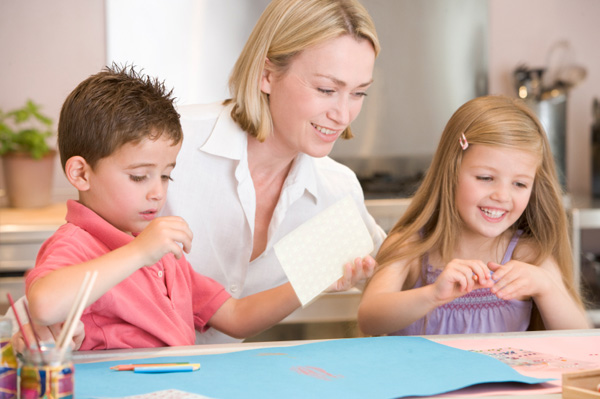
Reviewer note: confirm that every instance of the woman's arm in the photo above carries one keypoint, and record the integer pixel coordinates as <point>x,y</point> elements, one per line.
<point>245,317</point>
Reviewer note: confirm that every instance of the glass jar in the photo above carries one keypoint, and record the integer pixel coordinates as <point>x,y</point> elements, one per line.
<point>47,374</point>
<point>8,362</point>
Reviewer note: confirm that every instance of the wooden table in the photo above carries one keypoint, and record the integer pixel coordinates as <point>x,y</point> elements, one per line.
<point>96,356</point>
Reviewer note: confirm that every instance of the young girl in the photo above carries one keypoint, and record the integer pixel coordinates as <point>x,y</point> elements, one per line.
<point>484,245</point>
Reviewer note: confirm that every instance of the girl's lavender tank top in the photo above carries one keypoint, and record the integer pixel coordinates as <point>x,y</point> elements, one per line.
<point>479,311</point>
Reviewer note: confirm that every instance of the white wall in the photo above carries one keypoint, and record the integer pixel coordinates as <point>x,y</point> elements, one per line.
<point>523,31</point>
<point>48,47</point>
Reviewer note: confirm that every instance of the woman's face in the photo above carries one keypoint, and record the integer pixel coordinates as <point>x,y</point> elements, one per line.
<point>319,94</point>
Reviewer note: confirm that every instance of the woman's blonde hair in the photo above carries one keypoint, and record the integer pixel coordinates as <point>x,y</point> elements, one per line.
<point>500,122</point>
<point>284,29</point>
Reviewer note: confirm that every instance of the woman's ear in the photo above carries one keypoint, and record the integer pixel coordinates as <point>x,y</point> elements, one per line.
<point>78,173</point>
<point>266,78</point>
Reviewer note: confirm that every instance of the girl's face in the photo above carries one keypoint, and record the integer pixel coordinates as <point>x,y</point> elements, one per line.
<point>128,188</point>
<point>494,187</point>
<point>319,94</point>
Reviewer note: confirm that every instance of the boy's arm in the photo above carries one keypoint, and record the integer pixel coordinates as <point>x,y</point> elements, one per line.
<point>51,296</point>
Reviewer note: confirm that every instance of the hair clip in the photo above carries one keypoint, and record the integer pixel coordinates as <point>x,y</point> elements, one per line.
<point>463,142</point>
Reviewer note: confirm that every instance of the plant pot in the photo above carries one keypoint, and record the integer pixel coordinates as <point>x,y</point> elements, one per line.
<point>28,181</point>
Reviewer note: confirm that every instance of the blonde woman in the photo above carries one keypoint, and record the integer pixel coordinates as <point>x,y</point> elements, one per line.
<point>255,167</point>
<point>484,245</point>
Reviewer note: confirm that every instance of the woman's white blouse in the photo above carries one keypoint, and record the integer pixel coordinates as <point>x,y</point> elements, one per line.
<point>213,191</point>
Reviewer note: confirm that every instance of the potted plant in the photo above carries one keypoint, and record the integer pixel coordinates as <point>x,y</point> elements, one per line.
<point>27,159</point>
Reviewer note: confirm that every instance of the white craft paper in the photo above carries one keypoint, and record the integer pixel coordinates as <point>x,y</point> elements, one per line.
<point>314,254</point>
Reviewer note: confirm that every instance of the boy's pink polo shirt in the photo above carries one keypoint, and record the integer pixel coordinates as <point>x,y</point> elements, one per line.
<point>160,305</point>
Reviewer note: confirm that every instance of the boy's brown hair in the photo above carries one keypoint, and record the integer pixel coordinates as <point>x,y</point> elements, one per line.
<point>111,108</point>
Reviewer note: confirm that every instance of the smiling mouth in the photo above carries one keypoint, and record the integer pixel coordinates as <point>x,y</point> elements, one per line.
<point>324,130</point>
<point>493,213</point>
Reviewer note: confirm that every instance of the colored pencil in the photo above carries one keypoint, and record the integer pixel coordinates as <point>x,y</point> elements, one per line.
<point>130,367</point>
<point>168,369</point>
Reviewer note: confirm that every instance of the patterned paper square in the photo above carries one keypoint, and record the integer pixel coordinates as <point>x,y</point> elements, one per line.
<point>314,254</point>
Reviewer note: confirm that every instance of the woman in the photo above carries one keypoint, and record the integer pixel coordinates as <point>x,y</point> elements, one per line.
<point>255,167</point>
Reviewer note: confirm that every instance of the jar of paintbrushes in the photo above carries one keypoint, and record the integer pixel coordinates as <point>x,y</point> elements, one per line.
<point>8,362</point>
<point>47,372</point>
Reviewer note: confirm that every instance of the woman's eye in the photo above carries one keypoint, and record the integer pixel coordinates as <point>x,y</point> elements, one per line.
<point>325,91</point>
<point>360,94</point>
<point>137,178</point>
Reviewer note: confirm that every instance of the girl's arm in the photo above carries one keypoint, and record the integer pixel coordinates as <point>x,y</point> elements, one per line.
<point>51,296</point>
<point>385,308</point>
<point>544,284</point>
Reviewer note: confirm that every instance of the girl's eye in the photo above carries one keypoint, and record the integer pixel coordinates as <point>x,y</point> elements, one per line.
<point>137,178</point>
<point>521,185</point>
<point>360,94</point>
<point>484,178</point>
<point>325,91</point>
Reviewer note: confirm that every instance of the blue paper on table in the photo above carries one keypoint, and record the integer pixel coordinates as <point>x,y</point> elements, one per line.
<point>382,367</point>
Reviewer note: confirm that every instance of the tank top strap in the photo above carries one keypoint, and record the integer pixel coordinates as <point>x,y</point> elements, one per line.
<point>511,246</point>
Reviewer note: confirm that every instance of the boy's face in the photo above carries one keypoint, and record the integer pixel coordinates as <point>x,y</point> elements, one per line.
<point>129,187</point>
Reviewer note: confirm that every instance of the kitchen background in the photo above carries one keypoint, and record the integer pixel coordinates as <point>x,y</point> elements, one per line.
<point>436,54</point>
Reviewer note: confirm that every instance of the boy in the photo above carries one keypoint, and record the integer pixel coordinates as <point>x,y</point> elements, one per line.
<point>118,137</point>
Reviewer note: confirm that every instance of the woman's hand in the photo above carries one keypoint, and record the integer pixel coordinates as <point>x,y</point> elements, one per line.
<point>459,277</point>
<point>360,271</point>
<point>46,334</point>
<point>517,279</point>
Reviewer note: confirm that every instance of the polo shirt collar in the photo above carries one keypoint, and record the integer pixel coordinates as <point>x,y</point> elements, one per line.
<point>88,220</point>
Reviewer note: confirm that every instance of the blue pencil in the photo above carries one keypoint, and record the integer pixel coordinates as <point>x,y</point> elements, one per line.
<point>167,368</point>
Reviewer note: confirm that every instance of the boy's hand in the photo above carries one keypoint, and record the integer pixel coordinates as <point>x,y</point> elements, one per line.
<point>163,235</point>
<point>361,270</point>
<point>46,334</point>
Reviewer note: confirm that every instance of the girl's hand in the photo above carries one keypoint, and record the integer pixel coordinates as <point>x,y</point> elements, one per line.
<point>460,277</point>
<point>517,279</point>
<point>163,235</point>
<point>361,270</point>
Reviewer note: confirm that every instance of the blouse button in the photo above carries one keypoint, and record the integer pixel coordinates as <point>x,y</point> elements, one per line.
<point>160,273</point>
<point>233,288</point>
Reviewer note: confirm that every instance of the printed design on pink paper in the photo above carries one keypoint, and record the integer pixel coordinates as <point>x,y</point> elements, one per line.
<point>531,360</point>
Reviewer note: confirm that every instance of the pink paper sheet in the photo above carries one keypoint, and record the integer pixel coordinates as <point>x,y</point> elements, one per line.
<point>541,357</point>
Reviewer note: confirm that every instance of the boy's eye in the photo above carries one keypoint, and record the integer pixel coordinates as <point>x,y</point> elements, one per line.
<point>166,177</point>
<point>137,178</point>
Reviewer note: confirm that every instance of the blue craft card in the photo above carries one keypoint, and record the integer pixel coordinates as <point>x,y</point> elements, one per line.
<point>382,367</point>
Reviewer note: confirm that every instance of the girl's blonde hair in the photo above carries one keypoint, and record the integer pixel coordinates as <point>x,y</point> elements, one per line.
<point>500,122</point>
<point>284,29</point>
